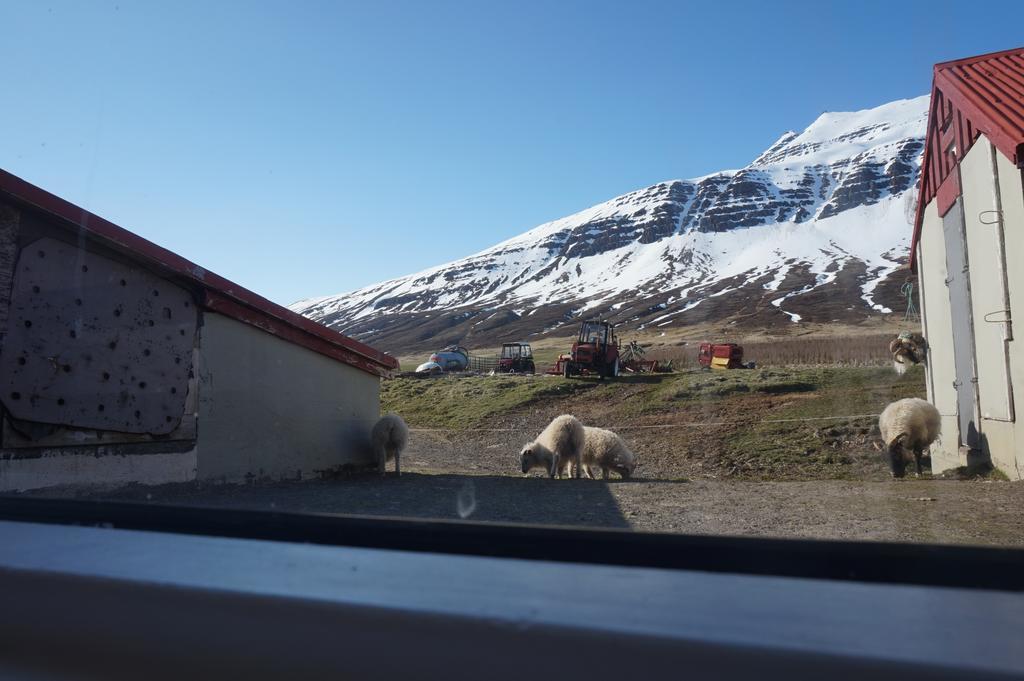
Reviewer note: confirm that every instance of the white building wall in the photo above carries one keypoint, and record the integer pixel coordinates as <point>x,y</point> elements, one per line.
<point>992,191</point>
<point>270,409</point>
<point>938,329</point>
<point>1011,190</point>
<point>988,303</point>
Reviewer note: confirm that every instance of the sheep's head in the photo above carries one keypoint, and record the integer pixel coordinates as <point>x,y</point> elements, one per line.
<point>897,459</point>
<point>527,458</point>
<point>625,470</point>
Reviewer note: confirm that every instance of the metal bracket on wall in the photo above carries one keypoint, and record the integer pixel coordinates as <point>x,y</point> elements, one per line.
<point>998,217</point>
<point>1004,320</point>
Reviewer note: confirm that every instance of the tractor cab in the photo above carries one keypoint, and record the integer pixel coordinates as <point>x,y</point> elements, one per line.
<point>516,358</point>
<point>595,333</point>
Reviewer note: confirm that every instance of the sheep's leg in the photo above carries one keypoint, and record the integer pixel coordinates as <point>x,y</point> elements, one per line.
<point>555,465</point>
<point>604,472</point>
<point>398,465</point>
<point>382,459</point>
<point>917,460</point>
<point>579,466</point>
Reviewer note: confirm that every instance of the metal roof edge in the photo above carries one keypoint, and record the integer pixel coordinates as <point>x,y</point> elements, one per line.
<point>942,65</point>
<point>919,212</point>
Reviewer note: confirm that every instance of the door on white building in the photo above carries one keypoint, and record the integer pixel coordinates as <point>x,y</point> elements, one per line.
<point>957,280</point>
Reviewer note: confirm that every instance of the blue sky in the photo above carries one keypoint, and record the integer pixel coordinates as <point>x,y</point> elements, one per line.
<point>303,148</point>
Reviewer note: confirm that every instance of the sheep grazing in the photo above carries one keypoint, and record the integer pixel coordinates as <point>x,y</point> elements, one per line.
<point>558,446</point>
<point>389,437</point>
<point>603,449</point>
<point>907,349</point>
<point>908,425</point>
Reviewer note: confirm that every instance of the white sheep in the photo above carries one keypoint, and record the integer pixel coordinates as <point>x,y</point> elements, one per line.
<point>908,425</point>
<point>389,437</point>
<point>558,446</point>
<point>605,450</point>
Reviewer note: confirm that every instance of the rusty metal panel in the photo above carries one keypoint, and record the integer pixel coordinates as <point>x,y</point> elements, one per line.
<point>9,219</point>
<point>95,343</point>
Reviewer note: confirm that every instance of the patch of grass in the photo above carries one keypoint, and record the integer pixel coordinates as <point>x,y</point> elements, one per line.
<point>462,402</point>
<point>783,387</point>
<point>830,385</point>
<point>544,357</point>
<point>821,444</point>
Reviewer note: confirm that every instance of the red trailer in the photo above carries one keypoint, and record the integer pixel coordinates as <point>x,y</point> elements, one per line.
<point>720,356</point>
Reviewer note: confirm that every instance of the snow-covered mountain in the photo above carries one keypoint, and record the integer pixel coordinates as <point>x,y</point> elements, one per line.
<point>814,229</point>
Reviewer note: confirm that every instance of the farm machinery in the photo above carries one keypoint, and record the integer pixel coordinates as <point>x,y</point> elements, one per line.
<point>720,356</point>
<point>451,358</point>
<point>633,360</point>
<point>516,358</point>
<point>456,358</point>
<point>595,352</point>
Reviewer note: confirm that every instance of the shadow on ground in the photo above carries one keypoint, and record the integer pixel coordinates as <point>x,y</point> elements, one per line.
<point>470,497</point>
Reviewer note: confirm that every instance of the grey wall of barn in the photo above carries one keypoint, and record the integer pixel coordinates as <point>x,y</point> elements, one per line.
<point>270,409</point>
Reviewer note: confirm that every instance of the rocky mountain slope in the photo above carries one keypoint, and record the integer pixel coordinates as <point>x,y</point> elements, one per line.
<point>815,229</point>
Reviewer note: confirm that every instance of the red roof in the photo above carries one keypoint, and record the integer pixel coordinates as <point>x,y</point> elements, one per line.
<point>981,95</point>
<point>219,294</point>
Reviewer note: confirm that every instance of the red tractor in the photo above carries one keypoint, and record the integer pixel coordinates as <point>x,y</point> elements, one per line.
<point>516,358</point>
<point>720,356</point>
<point>595,352</point>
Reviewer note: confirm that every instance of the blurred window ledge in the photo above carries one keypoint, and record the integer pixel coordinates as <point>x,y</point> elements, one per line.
<point>91,602</point>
